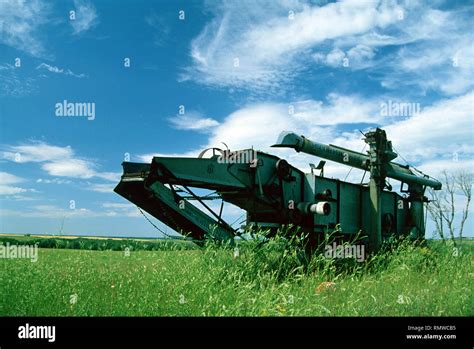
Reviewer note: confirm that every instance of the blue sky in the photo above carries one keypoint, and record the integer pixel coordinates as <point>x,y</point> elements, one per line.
<point>243,71</point>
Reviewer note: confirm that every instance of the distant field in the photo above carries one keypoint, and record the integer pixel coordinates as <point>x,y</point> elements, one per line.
<point>95,243</point>
<point>214,281</point>
<point>46,236</point>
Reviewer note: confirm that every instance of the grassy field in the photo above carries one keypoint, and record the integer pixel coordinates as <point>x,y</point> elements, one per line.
<point>268,280</point>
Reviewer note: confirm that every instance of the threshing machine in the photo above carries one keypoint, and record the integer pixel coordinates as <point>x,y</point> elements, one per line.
<point>275,194</point>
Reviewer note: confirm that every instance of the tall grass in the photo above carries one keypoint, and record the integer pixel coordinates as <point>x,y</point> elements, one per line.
<point>258,277</point>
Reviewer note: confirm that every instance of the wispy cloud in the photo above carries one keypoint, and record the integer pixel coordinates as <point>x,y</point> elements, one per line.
<point>262,44</point>
<point>13,84</point>
<point>192,121</point>
<point>438,57</point>
<point>86,17</point>
<point>53,181</point>
<point>57,70</point>
<point>20,23</point>
<point>6,66</point>
<point>266,46</point>
<point>161,30</point>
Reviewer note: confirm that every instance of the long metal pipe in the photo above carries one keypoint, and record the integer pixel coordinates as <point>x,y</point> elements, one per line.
<point>350,158</point>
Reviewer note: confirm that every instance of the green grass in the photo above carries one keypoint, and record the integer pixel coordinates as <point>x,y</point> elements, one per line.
<point>270,280</point>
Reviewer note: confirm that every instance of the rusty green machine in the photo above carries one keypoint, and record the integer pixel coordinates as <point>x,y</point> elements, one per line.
<point>275,194</point>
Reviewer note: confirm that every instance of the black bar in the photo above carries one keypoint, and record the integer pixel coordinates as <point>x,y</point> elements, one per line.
<point>337,331</point>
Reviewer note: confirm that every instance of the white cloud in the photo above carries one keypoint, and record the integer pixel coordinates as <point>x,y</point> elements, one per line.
<point>109,176</point>
<point>9,190</point>
<point>20,22</point>
<point>357,57</point>
<point>19,198</point>
<point>439,138</point>
<point>69,168</point>
<point>86,16</point>
<point>7,184</point>
<point>12,190</point>
<point>192,121</point>
<point>116,205</point>
<point>50,68</point>
<point>101,188</point>
<point>333,58</point>
<point>57,70</point>
<point>8,178</point>
<point>440,132</point>
<point>453,165</point>
<point>249,126</point>
<point>114,209</point>
<point>360,53</point>
<point>53,181</point>
<point>443,66</point>
<point>437,58</point>
<point>403,44</point>
<point>338,109</point>
<point>269,45</point>
<point>36,152</point>
<point>56,161</point>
